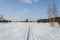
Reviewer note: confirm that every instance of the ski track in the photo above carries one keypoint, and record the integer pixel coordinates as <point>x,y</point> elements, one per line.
<point>38,31</point>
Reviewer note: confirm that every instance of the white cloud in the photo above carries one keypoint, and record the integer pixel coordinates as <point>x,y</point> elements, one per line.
<point>29,1</point>
<point>35,0</point>
<point>26,10</point>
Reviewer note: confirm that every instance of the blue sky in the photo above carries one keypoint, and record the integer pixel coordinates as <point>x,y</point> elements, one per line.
<point>25,9</point>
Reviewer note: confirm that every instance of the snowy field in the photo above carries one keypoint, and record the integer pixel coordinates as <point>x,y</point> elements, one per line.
<point>38,31</point>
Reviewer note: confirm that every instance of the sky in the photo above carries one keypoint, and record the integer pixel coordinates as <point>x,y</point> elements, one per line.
<point>25,9</point>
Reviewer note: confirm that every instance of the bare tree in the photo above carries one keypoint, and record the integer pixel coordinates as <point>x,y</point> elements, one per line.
<point>49,11</point>
<point>1,17</point>
<point>52,13</point>
<point>54,10</point>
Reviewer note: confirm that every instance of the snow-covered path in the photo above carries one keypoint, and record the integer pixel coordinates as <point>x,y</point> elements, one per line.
<point>18,31</point>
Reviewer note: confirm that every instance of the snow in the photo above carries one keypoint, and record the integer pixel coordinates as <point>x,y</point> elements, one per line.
<point>38,31</point>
